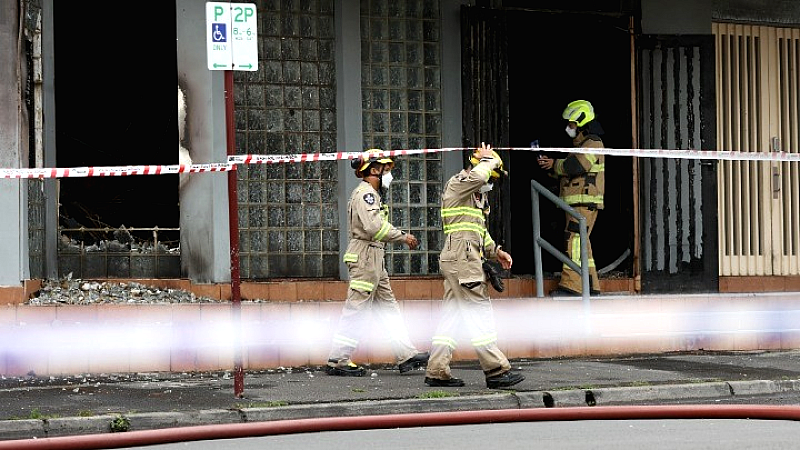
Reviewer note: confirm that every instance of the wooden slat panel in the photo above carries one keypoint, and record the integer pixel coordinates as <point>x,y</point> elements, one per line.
<point>753,112</point>
<point>777,52</point>
<point>722,178</point>
<point>791,183</point>
<point>782,55</point>
<point>771,126</point>
<point>743,247</point>
<point>723,127</point>
<point>758,98</point>
<point>678,195</point>
<point>762,65</point>
<point>740,218</point>
<point>790,188</point>
<point>672,223</point>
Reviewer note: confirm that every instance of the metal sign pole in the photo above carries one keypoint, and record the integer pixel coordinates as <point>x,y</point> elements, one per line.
<point>232,44</point>
<point>233,225</point>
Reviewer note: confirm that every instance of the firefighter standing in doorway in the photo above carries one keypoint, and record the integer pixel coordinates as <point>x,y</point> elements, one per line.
<point>369,290</point>
<point>466,304</point>
<point>582,182</point>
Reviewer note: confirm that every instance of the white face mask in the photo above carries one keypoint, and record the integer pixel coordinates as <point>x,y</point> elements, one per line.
<point>572,132</point>
<point>486,188</point>
<point>386,179</point>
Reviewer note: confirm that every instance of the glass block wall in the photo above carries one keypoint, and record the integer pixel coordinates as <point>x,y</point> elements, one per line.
<point>288,213</point>
<point>401,107</point>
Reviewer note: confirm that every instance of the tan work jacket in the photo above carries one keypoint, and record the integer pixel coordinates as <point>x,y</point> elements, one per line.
<point>467,241</point>
<point>582,175</point>
<point>369,223</point>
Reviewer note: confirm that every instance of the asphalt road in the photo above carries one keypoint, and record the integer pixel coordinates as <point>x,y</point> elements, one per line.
<point>673,434</point>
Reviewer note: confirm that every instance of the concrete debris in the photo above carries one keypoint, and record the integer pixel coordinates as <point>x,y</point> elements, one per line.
<point>123,243</point>
<point>68,291</point>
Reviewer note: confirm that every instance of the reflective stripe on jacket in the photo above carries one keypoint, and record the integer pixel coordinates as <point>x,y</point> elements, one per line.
<point>582,175</point>
<point>462,207</point>
<point>369,227</point>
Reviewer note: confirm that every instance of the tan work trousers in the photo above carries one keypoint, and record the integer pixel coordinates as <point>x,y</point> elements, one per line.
<point>470,311</point>
<point>361,305</point>
<point>569,278</point>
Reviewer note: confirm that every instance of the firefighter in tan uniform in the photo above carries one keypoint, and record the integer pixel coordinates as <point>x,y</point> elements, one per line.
<point>369,291</point>
<point>582,183</point>
<point>466,306</point>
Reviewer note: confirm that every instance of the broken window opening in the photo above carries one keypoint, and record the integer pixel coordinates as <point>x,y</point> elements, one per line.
<point>109,252</point>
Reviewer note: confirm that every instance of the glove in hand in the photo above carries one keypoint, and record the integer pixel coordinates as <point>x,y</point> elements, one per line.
<point>493,275</point>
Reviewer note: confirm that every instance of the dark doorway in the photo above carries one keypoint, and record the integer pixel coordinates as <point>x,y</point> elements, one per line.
<point>555,58</point>
<point>115,84</point>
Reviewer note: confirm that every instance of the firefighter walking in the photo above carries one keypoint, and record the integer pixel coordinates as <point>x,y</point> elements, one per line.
<point>369,290</point>
<point>466,306</point>
<point>581,185</point>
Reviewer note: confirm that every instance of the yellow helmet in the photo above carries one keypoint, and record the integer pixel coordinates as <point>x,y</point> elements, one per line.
<point>580,112</point>
<point>368,157</point>
<point>476,158</point>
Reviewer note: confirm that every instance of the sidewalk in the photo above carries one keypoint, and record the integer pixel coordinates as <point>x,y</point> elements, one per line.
<point>36,408</point>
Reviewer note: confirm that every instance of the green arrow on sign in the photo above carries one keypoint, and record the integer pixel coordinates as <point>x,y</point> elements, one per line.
<point>220,65</point>
<point>246,66</point>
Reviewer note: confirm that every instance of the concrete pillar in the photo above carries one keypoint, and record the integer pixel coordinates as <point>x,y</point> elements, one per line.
<point>205,244</point>
<point>452,136</point>
<point>348,107</point>
<point>13,149</point>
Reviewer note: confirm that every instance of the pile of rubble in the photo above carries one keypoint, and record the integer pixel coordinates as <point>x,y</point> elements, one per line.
<point>70,291</point>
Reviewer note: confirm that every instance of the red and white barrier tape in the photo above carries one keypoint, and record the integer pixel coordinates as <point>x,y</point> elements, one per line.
<point>115,171</point>
<point>233,160</point>
<point>643,153</point>
<point>674,154</point>
<point>303,157</point>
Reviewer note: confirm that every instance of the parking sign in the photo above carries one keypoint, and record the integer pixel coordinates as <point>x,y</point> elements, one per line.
<point>231,36</point>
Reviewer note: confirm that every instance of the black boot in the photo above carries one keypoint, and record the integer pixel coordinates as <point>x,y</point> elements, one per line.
<point>418,360</point>
<point>504,380</point>
<point>450,382</point>
<point>349,370</point>
<point>564,292</point>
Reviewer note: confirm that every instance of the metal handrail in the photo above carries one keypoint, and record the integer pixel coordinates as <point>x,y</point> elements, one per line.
<point>539,242</point>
